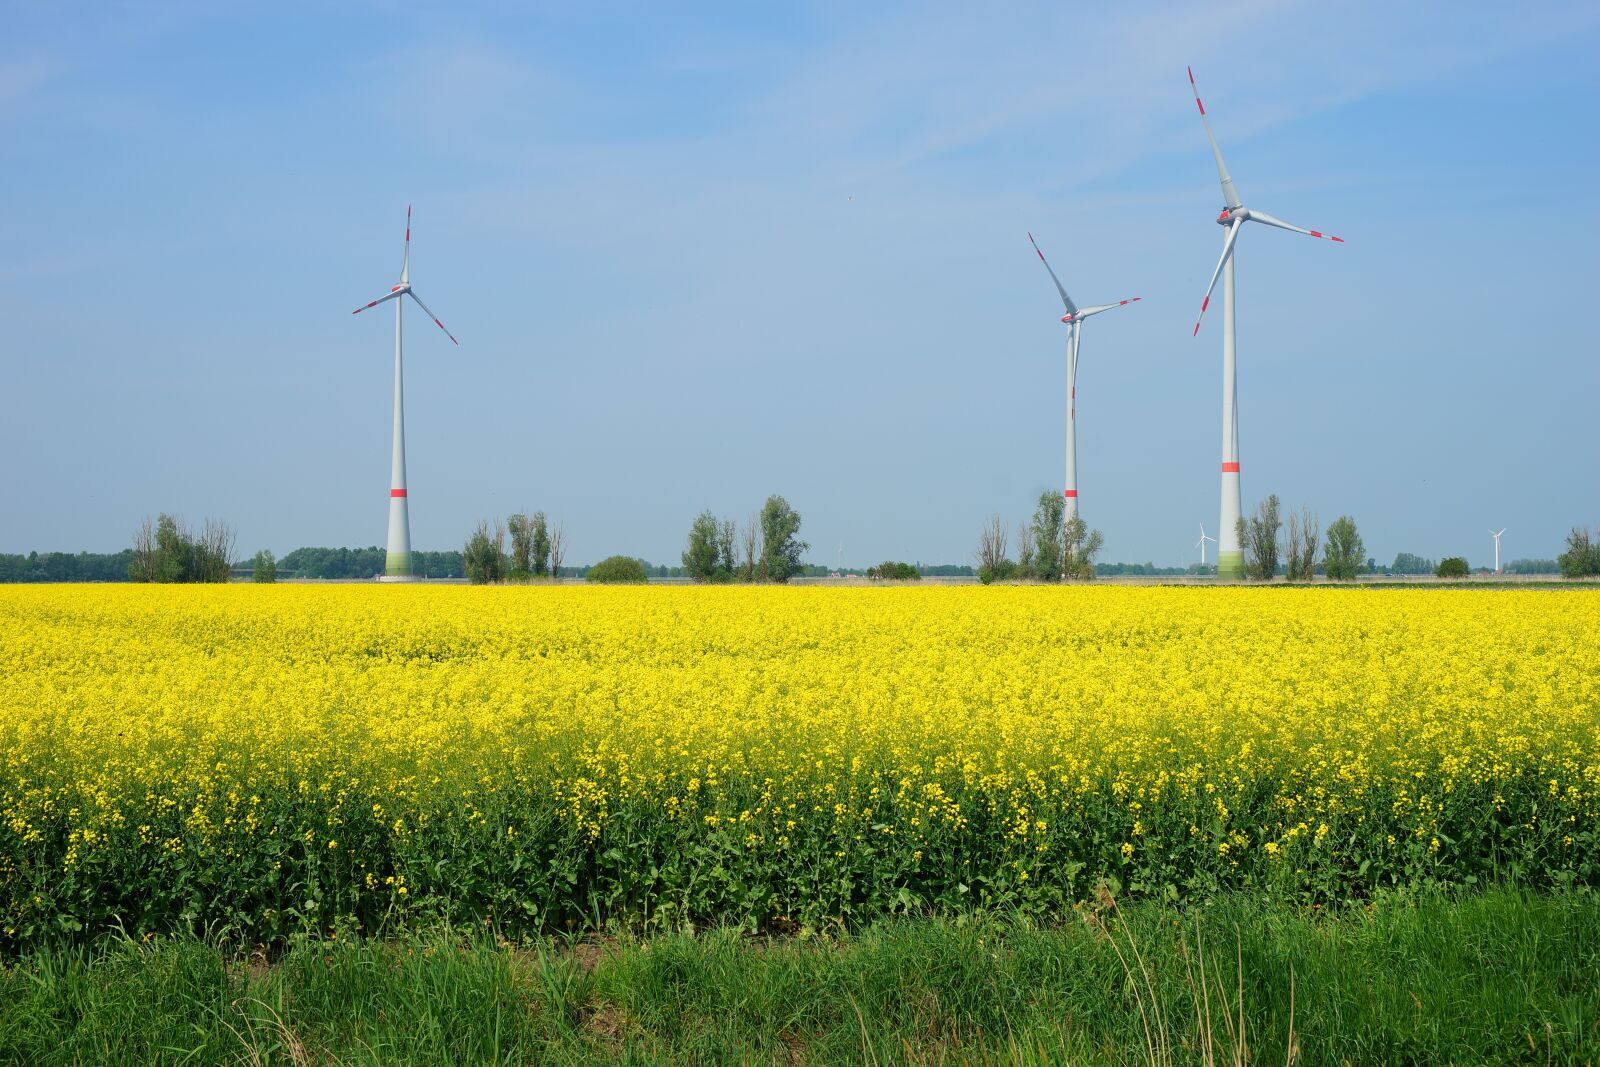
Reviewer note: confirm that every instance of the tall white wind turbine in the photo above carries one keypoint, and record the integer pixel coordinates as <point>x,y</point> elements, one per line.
<point>1074,320</point>
<point>1230,559</point>
<point>1496,537</point>
<point>1201,545</point>
<point>397,561</point>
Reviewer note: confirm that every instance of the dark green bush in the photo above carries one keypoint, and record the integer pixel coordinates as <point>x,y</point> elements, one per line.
<point>1452,567</point>
<point>1000,572</point>
<point>618,570</point>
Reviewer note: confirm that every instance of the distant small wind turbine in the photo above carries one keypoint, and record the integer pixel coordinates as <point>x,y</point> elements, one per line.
<point>1496,537</point>
<point>1201,544</point>
<point>397,560</point>
<point>1074,320</point>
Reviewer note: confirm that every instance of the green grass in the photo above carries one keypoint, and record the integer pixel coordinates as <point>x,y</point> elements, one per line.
<point>1500,976</point>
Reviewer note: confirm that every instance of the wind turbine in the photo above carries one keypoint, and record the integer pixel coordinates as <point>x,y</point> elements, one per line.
<point>1074,320</point>
<point>1230,559</point>
<point>397,561</point>
<point>1201,544</point>
<point>1496,537</point>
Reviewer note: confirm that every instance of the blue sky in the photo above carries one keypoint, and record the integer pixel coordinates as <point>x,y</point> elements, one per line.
<point>701,255</point>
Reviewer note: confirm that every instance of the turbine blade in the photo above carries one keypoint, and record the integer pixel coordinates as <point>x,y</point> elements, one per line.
<point>1229,197</point>
<point>405,264</point>
<point>1262,216</point>
<point>432,316</point>
<point>1072,309</point>
<point>389,296</point>
<point>1227,250</point>
<point>1086,312</point>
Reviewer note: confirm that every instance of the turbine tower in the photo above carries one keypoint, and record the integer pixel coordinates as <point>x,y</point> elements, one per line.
<point>1074,320</point>
<point>397,561</point>
<point>1230,559</point>
<point>1201,544</point>
<point>1496,537</point>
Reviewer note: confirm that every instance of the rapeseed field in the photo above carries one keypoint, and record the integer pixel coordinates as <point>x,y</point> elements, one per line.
<point>270,759</point>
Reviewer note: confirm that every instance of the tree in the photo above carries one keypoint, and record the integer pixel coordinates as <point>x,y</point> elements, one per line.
<point>890,570</point>
<point>623,570</point>
<point>1452,567</point>
<point>213,552</point>
<point>1079,546</point>
<point>1302,542</point>
<point>780,543</point>
<point>540,544</point>
<point>143,567</point>
<point>1342,561</point>
<point>700,556</point>
<point>1049,523</point>
<point>1258,537</point>
<point>482,555</point>
<point>1582,557</point>
<point>521,529</point>
<point>558,549</point>
<point>992,550</point>
<point>1027,562</point>
<point>751,542</point>
<point>266,567</point>
<point>173,551</point>
<point>727,549</point>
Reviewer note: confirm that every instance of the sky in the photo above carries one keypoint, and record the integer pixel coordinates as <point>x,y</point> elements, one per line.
<point>699,254</point>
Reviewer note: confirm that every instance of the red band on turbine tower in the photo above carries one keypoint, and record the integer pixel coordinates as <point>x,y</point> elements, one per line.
<point>397,492</point>
<point>1071,494</point>
<point>1230,468</point>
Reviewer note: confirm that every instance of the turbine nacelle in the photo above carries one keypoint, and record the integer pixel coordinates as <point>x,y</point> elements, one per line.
<point>402,287</point>
<point>1230,213</point>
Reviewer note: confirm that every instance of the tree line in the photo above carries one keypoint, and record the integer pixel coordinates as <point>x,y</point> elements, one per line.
<point>66,566</point>
<point>766,548</point>
<point>363,563</point>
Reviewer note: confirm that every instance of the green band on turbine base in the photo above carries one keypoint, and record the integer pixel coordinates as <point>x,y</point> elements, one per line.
<point>1230,565</point>
<point>397,565</point>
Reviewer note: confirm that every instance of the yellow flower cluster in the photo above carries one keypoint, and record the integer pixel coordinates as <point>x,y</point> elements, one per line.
<point>251,751</point>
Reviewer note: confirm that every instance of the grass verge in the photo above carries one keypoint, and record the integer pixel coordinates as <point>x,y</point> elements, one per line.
<point>1500,976</point>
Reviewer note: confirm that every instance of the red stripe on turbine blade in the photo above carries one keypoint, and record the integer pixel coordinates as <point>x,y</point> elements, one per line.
<point>1230,468</point>
<point>1196,329</point>
<point>1205,304</point>
<point>1339,239</point>
<point>1199,105</point>
<point>397,492</point>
